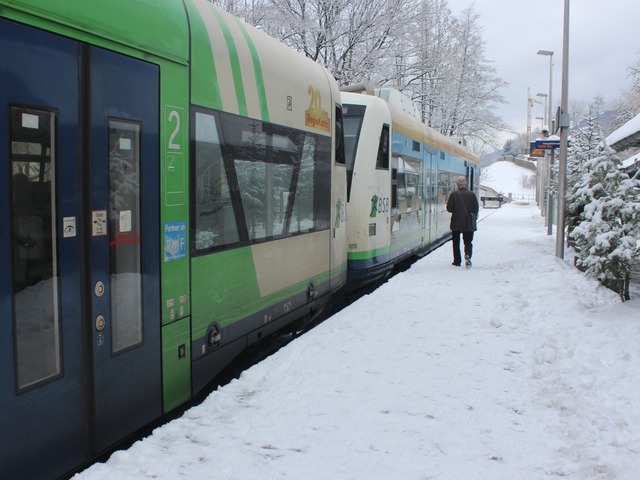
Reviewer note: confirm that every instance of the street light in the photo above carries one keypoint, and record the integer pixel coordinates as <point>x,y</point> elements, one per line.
<point>547,121</point>
<point>549,53</point>
<point>549,203</point>
<point>564,134</point>
<point>530,102</point>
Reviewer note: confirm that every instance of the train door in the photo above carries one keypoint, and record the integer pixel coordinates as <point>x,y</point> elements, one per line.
<point>124,243</point>
<point>79,320</point>
<point>431,194</point>
<point>43,411</point>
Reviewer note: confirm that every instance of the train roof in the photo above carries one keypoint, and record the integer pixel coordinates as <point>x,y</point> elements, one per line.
<point>407,124</point>
<point>158,27</point>
<point>395,97</point>
<point>406,120</point>
<point>234,66</point>
<point>240,69</point>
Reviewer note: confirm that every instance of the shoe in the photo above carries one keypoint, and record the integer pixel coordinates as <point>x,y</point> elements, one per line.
<point>455,264</point>
<point>467,261</point>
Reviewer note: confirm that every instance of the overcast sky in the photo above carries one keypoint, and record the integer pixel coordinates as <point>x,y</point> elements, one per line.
<point>604,39</point>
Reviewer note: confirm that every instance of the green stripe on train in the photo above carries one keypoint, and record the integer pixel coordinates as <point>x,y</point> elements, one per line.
<point>368,253</point>
<point>235,63</point>
<point>411,239</point>
<point>257,67</point>
<point>205,87</point>
<point>225,289</point>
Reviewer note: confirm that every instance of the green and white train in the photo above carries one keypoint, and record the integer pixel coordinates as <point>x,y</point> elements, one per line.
<point>175,188</point>
<point>400,173</point>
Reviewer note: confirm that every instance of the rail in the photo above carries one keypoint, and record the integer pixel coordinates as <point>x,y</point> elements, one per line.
<point>521,198</point>
<point>494,202</point>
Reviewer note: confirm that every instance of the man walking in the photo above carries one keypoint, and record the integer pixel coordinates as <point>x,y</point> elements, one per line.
<point>460,204</point>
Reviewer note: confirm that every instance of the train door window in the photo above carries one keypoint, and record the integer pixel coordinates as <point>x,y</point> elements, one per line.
<point>124,234</point>
<point>35,269</point>
<point>215,222</point>
<point>401,186</point>
<point>445,187</point>
<point>412,174</point>
<point>430,186</point>
<point>394,183</point>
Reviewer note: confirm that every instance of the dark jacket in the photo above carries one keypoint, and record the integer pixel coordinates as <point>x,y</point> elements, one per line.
<point>456,204</point>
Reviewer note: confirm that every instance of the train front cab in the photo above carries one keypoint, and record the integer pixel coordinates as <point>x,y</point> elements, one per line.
<point>367,125</point>
<point>80,343</point>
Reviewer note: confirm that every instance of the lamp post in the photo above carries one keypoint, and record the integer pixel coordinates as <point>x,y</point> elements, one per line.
<point>547,120</point>
<point>563,123</point>
<point>549,53</point>
<point>530,102</point>
<point>549,165</point>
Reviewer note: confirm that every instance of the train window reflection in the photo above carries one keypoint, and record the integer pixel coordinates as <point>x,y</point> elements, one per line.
<point>257,181</point>
<point>352,123</point>
<point>35,269</point>
<point>214,216</point>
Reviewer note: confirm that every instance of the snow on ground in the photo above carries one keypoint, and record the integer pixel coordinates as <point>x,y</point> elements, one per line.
<point>505,177</point>
<point>518,368</point>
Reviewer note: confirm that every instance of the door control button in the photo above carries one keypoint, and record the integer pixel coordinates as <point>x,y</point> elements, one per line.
<point>100,323</point>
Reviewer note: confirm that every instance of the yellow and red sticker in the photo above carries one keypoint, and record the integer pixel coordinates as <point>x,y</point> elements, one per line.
<point>315,116</point>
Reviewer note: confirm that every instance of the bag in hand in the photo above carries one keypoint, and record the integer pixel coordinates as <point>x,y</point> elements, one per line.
<point>472,225</point>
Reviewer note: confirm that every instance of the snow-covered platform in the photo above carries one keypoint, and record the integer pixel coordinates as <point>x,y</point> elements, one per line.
<point>518,368</point>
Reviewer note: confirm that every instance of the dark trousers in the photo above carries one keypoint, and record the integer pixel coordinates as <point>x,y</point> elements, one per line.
<point>467,238</point>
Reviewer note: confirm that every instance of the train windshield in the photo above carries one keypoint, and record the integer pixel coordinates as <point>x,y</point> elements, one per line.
<point>353,117</point>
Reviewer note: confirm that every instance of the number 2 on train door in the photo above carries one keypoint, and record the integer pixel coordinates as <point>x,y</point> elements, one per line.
<point>174,192</point>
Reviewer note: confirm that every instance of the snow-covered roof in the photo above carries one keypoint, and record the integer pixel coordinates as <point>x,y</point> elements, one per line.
<point>631,161</point>
<point>627,136</point>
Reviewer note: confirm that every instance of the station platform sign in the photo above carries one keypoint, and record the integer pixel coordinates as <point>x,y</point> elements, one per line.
<point>538,148</point>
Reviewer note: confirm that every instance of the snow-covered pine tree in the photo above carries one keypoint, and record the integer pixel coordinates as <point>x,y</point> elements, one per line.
<point>586,144</point>
<point>511,148</point>
<point>608,236</point>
